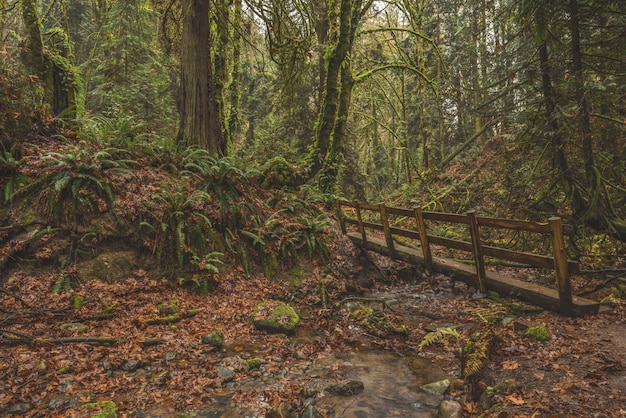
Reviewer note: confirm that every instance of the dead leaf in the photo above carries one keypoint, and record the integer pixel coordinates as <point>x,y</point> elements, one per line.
<point>515,399</point>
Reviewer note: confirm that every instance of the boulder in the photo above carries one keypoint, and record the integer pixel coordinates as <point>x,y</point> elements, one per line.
<point>275,317</point>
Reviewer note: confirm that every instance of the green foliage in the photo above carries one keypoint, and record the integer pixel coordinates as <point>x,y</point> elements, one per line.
<point>537,333</point>
<point>10,162</point>
<point>107,409</point>
<point>439,335</point>
<point>475,353</point>
<point>21,96</point>
<point>252,363</point>
<point>76,182</point>
<point>65,282</point>
<point>178,228</point>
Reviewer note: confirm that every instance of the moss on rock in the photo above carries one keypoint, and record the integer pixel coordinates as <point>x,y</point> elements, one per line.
<point>275,317</point>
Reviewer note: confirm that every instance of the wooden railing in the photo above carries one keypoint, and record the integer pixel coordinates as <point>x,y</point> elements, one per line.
<point>554,227</point>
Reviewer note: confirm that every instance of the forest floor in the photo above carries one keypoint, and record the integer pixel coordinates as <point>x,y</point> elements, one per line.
<point>51,367</point>
<point>125,341</point>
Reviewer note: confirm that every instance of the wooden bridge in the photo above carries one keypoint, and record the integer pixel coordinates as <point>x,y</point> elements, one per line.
<point>559,299</point>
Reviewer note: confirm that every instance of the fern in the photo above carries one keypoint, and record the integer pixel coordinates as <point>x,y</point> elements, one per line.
<point>475,360</point>
<point>437,336</point>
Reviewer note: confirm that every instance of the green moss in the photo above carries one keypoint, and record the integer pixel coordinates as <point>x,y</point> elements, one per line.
<point>75,326</point>
<point>216,339</point>
<point>171,309</point>
<point>278,172</point>
<point>64,370</point>
<point>108,409</point>
<point>252,363</point>
<point>77,301</point>
<point>362,312</point>
<point>282,319</point>
<point>537,333</point>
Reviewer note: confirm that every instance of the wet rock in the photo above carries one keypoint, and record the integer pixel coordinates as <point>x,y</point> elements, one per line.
<point>311,412</point>
<point>450,409</point>
<point>62,402</point>
<point>18,409</point>
<point>278,318</point>
<point>346,387</point>
<point>225,373</point>
<point>132,365</point>
<point>436,388</point>
<point>283,410</point>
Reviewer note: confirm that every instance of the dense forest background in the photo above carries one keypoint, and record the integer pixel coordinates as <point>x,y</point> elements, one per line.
<point>514,108</point>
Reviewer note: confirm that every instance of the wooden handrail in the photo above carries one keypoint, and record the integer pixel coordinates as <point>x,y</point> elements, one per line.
<point>554,227</point>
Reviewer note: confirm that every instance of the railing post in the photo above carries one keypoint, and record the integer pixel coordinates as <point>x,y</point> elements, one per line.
<point>360,220</point>
<point>384,220</point>
<point>421,228</point>
<point>560,265</point>
<point>477,250</point>
<point>342,224</point>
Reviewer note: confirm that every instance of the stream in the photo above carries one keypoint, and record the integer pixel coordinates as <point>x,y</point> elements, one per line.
<point>392,384</point>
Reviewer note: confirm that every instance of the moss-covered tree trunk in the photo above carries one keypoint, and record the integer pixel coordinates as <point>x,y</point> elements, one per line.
<point>199,115</point>
<point>33,55</point>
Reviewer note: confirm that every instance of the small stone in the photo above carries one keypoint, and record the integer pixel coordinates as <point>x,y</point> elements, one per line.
<point>449,409</point>
<point>19,409</point>
<point>61,402</point>
<point>346,388</point>
<point>436,388</point>
<point>131,365</point>
<point>225,373</point>
<point>170,355</point>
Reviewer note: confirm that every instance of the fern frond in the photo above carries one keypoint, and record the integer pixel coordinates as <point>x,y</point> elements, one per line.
<point>437,336</point>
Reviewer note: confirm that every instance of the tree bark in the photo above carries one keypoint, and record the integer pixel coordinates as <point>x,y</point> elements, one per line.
<point>199,116</point>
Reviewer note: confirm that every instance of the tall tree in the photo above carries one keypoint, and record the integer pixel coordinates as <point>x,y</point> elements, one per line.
<point>200,122</point>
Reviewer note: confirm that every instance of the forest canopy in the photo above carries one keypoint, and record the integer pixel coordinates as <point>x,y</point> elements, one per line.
<point>431,103</point>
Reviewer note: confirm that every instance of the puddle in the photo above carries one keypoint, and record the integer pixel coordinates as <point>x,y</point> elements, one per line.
<point>392,385</point>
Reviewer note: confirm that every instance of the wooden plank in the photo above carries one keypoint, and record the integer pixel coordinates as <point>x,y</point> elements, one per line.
<point>359,218</point>
<point>407,233</point>
<point>400,211</point>
<point>522,225</point>
<point>385,221</point>
<point>445,217</point>
<point>514,224</point>
<point>560,265</point>
<point>423,236</point>
<point>450,243</point>
<point>506,286</point>
<point>477,251</point>
<point>533,260</point>
<point>365,206</point>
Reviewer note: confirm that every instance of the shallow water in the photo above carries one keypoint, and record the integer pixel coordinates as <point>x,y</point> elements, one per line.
<point>392,385</point>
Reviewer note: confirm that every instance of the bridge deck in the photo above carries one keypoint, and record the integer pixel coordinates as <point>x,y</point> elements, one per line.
<point>506,286</point>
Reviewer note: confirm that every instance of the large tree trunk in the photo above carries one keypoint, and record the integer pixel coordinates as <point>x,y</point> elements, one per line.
<point>199,116</point>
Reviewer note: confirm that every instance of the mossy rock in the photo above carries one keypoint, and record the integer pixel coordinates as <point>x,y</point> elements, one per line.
<point>537,333</point>
<point>252,363</point>
<point>216,339</point>
<point>277,172</point>
<point>107,409</point>
<point>275,318</point>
